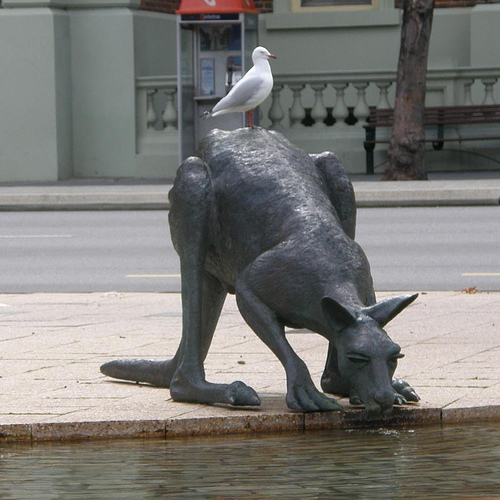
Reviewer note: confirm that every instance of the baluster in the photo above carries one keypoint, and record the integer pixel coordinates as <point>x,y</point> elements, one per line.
<point>468,92</point>
<point>383,102</point>
<point>297,111</point>
<point>361,110</point>
<point>170,113</point>
<point>150,113</point>
<point>318,111</point>
<point>488,90</point>
<point>276,113</point>
<point>340,111</point>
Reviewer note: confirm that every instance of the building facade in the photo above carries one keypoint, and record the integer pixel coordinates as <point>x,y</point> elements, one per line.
<point>88,87</point>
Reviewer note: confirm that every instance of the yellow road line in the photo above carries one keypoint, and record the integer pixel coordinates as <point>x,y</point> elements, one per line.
<point>480,274</point>
<point>153,275</point>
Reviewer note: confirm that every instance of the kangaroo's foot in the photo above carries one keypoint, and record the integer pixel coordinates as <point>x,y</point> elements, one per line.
<point>200,391</point>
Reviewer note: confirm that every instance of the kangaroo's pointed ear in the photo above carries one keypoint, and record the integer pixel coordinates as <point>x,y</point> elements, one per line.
<point>338,317</point>
<point>388,309</point>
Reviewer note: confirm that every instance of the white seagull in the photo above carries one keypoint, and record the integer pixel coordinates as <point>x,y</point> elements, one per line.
<point>250,91</point>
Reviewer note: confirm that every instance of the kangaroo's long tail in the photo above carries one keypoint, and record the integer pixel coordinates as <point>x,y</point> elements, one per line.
<point>151,371</point>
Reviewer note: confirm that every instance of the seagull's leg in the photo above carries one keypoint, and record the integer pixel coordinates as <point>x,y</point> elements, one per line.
<point>251,117</point>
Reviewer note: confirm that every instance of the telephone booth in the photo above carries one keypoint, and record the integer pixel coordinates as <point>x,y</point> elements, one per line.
<point>215,40</point>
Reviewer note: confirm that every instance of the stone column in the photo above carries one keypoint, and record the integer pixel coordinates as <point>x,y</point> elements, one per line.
<point>35,93</point>
<point>103,87</point>
<point>68,89</point>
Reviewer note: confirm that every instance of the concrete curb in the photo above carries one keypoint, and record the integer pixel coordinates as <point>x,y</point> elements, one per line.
<point>365,198</point>
<point>430,193</point>
<point>83,206</point>
<point>85,201</point>
<point>242,424</point>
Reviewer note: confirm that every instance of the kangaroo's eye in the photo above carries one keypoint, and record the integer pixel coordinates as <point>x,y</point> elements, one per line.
<point>358,359</point>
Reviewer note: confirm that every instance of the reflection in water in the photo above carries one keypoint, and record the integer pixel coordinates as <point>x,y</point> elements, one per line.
<point>425,462</point>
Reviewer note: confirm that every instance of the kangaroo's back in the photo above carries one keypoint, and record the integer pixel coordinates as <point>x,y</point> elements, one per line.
<point>266,191</point>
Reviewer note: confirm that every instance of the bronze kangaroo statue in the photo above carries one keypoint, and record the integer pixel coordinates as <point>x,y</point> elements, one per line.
<point>255,216</point>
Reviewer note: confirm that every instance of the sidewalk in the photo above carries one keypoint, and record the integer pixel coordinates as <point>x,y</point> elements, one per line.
<point>481,188</point>
<point>51,347</point>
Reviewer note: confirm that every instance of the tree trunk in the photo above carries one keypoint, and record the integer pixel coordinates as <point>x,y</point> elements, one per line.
<point>406,149</point>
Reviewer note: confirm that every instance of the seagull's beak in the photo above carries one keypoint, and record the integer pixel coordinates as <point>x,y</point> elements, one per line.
<point>271,56</point>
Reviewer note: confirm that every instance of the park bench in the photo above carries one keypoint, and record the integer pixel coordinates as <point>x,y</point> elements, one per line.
<point>440,117</point>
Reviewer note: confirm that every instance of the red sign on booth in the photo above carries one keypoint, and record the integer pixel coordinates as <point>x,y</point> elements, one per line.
<point>207,7</point>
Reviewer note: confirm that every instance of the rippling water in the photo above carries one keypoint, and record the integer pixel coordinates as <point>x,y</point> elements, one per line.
<point>424,462</point>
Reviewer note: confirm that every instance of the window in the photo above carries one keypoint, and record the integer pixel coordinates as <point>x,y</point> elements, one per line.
<point>332,5</point>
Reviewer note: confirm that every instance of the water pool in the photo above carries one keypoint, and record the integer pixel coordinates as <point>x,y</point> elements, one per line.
<point>420,462</point>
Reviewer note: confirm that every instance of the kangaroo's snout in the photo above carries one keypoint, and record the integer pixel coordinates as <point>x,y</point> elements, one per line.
<point>378,403</point>
<point>384,399</point>
<point>384,402</point>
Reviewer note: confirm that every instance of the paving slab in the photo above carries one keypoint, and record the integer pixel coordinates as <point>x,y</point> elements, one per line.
<point>52,345</point>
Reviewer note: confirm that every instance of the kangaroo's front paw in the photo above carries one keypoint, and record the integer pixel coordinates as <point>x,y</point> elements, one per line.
<point>404,392</point>
<point>308,398</point>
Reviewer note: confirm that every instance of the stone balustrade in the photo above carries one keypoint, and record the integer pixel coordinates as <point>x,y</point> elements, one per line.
<point>343,99</point>
<point>319,111</point>
<point>337,99</point>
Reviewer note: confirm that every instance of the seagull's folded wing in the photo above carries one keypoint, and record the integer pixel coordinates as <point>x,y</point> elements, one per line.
<point>241,95</point>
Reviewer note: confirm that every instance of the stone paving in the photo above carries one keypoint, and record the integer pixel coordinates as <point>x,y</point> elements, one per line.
<point>51,347</point>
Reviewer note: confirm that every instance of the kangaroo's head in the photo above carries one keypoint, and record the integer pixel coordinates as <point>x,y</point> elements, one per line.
<point>367,357</point>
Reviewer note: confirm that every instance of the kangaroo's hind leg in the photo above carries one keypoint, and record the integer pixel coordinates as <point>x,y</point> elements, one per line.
<point>160,372</point>
<point>192,202</point>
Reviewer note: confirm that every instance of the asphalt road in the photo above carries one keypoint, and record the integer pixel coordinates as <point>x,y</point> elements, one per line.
<point>87,252</point>
<point>445,248</point>
<point>441,248</point>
